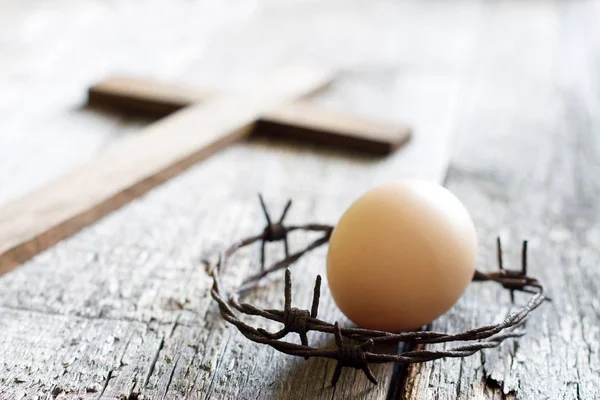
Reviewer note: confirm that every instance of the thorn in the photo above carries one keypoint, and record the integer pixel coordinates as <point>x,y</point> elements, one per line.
<point>288,290</point>
<point>285,246</point>
<point>264,208</point>
<point>304,340</point>
<point>262,256</point>
<point>285,210</point>
<point>316,296</point>
<point>524,258</point>
<point>499,253</point>
<point>336,374</point>
<point>369,374</point>
<point>338,335</point>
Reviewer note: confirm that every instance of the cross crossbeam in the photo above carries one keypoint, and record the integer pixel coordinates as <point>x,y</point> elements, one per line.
<point>298,120</point>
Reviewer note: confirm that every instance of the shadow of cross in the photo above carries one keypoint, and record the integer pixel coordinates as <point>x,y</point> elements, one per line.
<point>298,120</point>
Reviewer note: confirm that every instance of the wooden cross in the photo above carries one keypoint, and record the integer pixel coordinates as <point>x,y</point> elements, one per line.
<point>189,134</point>
<point>298,120</point>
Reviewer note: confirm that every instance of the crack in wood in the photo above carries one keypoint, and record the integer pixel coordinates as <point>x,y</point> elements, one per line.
<point>401,372</point>
<point>204,367</point>
<point>218,363</point>
<point>108,378</point>
<point>154,361</point>
<point>170,378</point>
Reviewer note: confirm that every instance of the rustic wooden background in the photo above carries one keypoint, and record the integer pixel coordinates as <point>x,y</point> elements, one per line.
<point>512,87</point>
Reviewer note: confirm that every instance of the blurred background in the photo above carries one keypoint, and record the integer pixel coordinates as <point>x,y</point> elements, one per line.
<point>403,61</point>
<point>420,62</point>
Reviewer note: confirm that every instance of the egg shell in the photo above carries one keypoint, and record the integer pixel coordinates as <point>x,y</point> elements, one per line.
<point>401,255</point>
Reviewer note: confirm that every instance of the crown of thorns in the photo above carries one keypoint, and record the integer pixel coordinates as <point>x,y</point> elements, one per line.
<point>354,346</point>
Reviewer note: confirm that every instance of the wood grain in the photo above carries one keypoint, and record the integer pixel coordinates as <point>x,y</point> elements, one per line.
<point>136,271</point>
<point>296,120</point>
<point>532,175</point>
<point>94,347</point>
<point>140,264</point>
<point>139,163</point>
<point>144,96</point>
<point>517,81</point>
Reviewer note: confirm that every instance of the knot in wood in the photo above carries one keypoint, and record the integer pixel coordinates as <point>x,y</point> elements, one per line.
<point>352,356</point>
<point>274,232</point>
<point>295,320</point>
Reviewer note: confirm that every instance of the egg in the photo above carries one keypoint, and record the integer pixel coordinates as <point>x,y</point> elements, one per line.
<point>401,255</point>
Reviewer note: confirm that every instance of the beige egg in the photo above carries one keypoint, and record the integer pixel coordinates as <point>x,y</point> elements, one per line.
<point>401,255</point>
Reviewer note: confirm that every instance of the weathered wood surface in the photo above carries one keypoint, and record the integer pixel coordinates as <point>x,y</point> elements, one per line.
<point>130,289</point>
<point>137,273</point>
<point>528,168</point>
<point>123,306</point>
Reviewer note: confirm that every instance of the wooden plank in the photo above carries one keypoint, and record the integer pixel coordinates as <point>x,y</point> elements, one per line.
<point>307,122</point>
<point>144,95</point>
<point>81,354</point>
<point>295,120</point>
<point>139,163</point>
<point>533,174</point>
